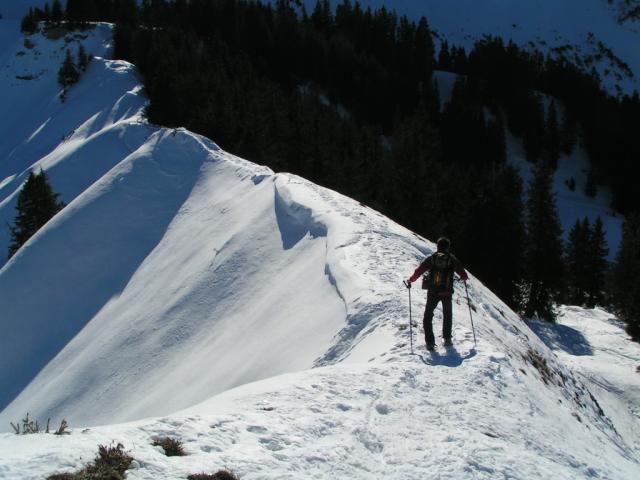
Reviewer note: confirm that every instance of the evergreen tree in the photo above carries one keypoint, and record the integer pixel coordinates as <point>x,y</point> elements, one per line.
<point>56,11</point>
<point>494,227</point>
<point>552,137</point>
<point>597,265</point>
<point>568,133</point>
<point>46,13</point>
<point>458,60</point>
<point>424,51</point>
<point>29,23</point>
<point>496,143</point>
<point>37,204</point>
<point>543,266</point>
<point>577,261</point>
<point>626,281</point>
<point>444,57</point>
<point>534,132</point>
<point>233,70</point>
<point>83,58</point>
<point>68,73</point>
<point>322,17</point>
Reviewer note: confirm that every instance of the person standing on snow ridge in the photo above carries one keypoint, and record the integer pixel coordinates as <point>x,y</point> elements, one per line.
<point>439,285</point>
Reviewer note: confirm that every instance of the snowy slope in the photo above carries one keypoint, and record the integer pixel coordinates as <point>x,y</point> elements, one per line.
<point>594,344</point>
<point>465,416</point>
<point>77,141</point>
<point>589,32</point>
<point>204,310</point>
<point>178,272</point>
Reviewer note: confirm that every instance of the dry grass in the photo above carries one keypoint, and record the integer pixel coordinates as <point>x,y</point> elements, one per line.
<point>172,447</point>
<point>110,464</point>
<point>219,475</point>
<point>32,426</point>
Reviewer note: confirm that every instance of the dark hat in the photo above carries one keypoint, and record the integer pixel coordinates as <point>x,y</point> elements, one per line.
<point>443,244</point>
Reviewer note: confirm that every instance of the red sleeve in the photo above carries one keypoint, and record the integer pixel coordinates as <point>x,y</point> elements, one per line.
<point>463,274</point>
<point>424,266</point>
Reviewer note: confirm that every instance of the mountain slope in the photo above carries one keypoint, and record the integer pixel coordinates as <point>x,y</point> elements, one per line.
<point>77,141</point>
<point>179,271</point>
<point>256,274</point>
<point>591,33</point>
<point>463,416</point>
<point>572,204</point>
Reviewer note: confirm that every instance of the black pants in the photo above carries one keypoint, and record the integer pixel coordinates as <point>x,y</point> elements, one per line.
<point>432,303</point>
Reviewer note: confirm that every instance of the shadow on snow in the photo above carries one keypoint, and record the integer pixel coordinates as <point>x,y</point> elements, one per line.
<point>451,358</point>
<point>561,337</point>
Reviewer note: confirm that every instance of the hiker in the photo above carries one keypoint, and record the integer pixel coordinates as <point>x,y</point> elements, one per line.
<point>439,285</point>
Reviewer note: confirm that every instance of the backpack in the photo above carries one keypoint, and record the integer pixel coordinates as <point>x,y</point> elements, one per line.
<point>439,278</point>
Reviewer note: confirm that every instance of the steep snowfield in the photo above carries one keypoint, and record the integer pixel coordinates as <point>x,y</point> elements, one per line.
<point>215,272</point>
<point>179,275</point>
<point>593,343</point>
<point>77,141</point>
<point>467,415</point>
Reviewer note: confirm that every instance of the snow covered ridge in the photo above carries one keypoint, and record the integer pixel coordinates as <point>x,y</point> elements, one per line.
<point>76,142</point>
<point>179,275</point>
<point>229,273</point>
<point>399,419</point>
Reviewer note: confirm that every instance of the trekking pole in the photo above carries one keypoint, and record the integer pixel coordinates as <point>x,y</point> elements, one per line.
<point>473,329</point>
<point>408,285</point>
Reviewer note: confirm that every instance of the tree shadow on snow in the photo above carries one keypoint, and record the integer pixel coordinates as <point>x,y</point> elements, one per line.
<point>561,337</point>
<point>450,357</point>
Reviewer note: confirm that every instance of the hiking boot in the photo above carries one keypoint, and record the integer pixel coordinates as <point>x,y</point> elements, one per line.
<point>447,342</point>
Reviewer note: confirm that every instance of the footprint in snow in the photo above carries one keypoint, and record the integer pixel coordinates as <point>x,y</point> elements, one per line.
<point>256,429</point>
<point>382,409</point>
<point>271,444</point>
<point>209,449</point>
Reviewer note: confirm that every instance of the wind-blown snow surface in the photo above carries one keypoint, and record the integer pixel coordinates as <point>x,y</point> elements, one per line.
<point>77,141</point>
<point>227,273</point>
<point>178,272</point>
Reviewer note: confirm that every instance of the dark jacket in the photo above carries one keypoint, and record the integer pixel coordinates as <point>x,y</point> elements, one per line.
<point>428,263</point>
